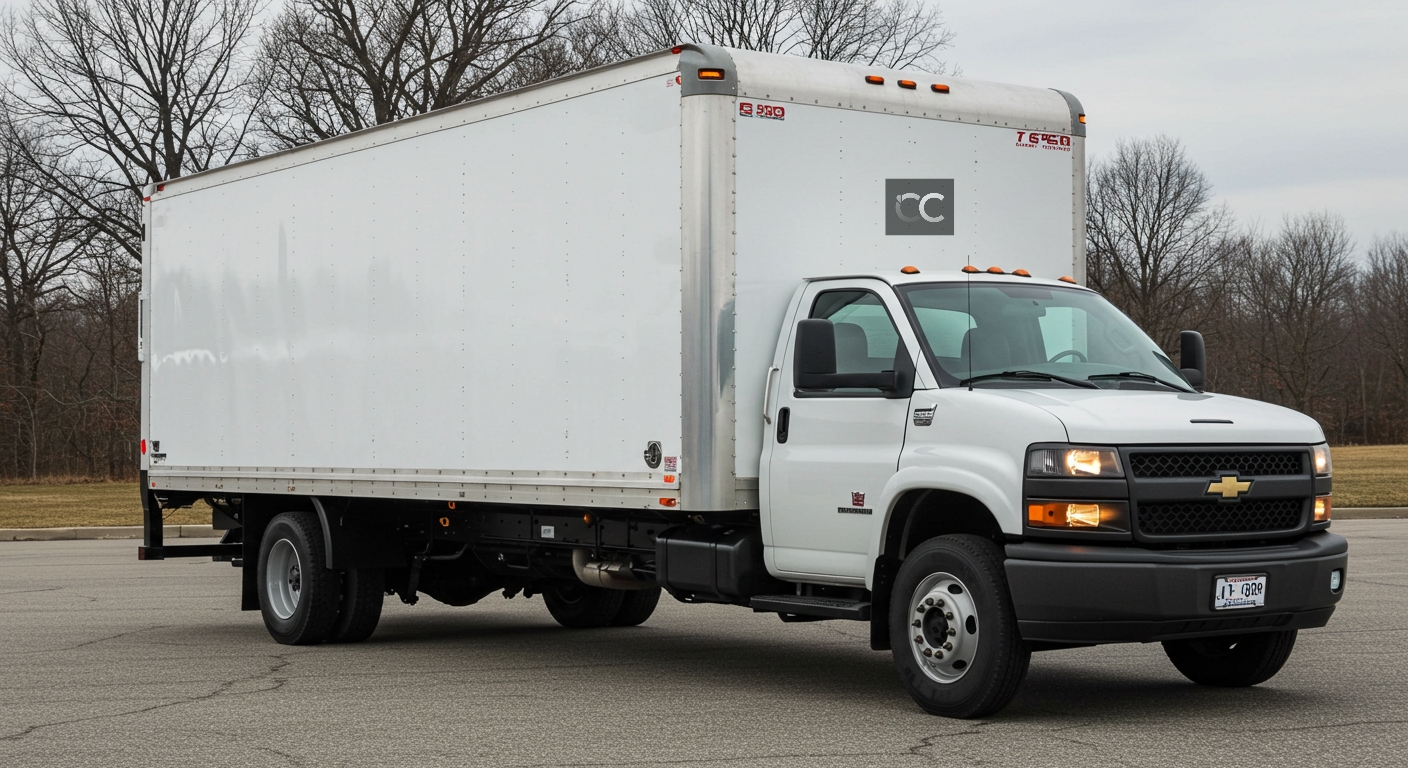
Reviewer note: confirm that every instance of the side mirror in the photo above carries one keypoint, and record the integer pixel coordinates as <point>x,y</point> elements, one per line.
<point>814,364</point>
<point>1193,359</point>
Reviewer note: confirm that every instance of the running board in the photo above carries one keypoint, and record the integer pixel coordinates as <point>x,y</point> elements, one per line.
<point>820,607</point>
<point>190,550</point>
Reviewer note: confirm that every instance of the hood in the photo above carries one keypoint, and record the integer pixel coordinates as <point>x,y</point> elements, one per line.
<point>1125,417</point>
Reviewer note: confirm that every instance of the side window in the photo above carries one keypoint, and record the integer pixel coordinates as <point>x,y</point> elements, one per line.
<point>866,339</point>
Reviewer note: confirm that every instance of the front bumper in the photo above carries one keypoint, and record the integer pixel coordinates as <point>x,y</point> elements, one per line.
<point>1112,594</point>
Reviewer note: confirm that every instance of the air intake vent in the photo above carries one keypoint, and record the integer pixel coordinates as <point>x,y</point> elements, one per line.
<point>1188,518</point>
<point>1209,464</point>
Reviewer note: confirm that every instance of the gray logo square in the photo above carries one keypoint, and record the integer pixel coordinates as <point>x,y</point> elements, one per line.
<point>918,206</point>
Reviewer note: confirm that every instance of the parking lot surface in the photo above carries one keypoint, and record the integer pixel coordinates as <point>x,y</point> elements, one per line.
<point>105,661</point>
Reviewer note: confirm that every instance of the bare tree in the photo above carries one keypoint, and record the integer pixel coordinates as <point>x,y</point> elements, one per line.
<point>133,92</point>
<point>1156,245</point>
<point>886,33</point>
<point>334,66</point>
<point>1294,294</point>
<point>41,242</point>
<point>1382,305</point>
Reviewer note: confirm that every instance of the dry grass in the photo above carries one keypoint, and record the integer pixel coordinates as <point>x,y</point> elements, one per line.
<point>1371,475</point>
<point>59,504</point>
<point>1365,476</point>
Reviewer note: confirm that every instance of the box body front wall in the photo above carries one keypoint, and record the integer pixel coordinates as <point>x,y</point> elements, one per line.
<point>812,200</point>
<point>502,295</point>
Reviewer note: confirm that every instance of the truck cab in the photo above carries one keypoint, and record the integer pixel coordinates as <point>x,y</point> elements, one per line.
<point>1096,492</point>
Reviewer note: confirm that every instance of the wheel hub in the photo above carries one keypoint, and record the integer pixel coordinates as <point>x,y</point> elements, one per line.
<point>283,579</point>
<point>944,627</point>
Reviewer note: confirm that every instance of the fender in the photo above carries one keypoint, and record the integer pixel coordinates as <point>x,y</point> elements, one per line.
<point>998,499</point>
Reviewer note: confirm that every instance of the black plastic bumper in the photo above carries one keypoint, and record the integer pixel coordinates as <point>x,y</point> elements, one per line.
<point>1086,594</point>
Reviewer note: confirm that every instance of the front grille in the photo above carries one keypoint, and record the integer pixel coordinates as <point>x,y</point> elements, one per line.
<point>1244,463</point>
<point>1184,518</point>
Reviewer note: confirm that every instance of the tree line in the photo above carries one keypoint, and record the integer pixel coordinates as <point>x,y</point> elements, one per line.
<point>103,97</point>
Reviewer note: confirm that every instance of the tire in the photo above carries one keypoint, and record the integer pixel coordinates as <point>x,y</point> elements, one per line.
<point>360,607</point>
<point>576,605</point>
<point>298,596</point>
<point>636,607</point>
<point>1232,661</point>
<point>985,660</point>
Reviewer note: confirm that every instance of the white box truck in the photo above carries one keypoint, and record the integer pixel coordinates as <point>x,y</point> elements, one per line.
<point>722,324</point>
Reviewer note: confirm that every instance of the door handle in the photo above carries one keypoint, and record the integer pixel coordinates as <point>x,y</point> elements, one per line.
<point>784,417</point>
<point>767,394</point>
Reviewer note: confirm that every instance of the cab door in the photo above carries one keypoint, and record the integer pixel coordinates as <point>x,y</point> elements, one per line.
<point>830,450</point>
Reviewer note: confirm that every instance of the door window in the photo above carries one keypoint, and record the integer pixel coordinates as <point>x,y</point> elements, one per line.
<point>866,338</point>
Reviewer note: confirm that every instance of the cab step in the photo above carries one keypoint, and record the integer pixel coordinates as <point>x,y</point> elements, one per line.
<point>819,607</point>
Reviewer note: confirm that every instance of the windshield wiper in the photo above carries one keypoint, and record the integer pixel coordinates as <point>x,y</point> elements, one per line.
<point>1137,375</point>
<point>1028,375</point>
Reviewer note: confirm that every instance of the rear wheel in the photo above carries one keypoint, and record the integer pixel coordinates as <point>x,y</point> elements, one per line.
<point>576,605</point>
<point>1232,661</point>
<point>953,629</point>
<point>362,592</point>
<point>636,607</point>
<point>298,597</point>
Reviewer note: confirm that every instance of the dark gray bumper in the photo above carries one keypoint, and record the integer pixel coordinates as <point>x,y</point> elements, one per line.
<point>1087,594</point>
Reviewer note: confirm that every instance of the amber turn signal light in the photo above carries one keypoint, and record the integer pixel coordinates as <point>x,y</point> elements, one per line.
<point>711,74</point>
<point>1322,509</point>
<point>1076,514</point>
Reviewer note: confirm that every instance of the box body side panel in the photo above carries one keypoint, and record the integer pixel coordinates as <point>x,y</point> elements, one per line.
<point>497,296</point>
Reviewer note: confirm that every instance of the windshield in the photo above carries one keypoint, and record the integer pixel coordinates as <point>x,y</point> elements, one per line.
<point>983,329</point>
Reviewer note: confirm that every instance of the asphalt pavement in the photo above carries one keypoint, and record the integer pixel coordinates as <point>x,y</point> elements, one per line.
<point>105,661</point>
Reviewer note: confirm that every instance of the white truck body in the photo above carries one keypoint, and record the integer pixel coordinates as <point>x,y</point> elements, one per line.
<point>720,323</point>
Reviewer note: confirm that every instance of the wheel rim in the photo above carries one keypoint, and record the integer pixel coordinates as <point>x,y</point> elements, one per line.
<point>943,627</point>
<point>283,579</point>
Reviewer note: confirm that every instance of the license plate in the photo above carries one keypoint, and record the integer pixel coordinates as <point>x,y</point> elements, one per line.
<point>1238,592</point>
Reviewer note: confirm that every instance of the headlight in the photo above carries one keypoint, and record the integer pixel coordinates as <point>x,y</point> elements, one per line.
<point>1320,456</point>
<point>1078,515</point>
<point>1074,462</point>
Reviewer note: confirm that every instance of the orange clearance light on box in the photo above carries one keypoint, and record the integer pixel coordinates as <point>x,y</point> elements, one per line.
<point>910,84</point>
<point>711,74</point>
<point>939,88</point>
<point>664,502</point>
<point>669,478</point>
<point>875,79</point>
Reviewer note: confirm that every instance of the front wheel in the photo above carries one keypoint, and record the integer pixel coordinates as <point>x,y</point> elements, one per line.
<point>953,630</point>
<point>1232,661</point>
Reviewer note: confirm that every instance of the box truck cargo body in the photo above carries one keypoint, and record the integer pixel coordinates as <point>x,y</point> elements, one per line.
<point>567,341</point>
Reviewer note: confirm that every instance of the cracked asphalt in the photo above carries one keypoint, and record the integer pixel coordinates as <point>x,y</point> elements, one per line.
<point>105,661</point>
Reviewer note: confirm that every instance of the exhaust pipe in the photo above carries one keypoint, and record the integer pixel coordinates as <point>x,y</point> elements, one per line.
<point>614,575</point>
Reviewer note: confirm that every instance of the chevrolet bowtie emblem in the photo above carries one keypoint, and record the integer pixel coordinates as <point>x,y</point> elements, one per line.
<point>1230,486</point>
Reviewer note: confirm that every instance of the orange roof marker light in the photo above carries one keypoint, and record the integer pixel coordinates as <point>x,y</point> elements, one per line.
<point>1021,273</point>
<point>910,84</point>
<point>996,270</point>
<point>1081,118</point>
<point>1067,279</point>
<point>875,79</point>
<point>939,88</point>
<point>970,269</point>
<point>711,74</point>
<point>909,270</point>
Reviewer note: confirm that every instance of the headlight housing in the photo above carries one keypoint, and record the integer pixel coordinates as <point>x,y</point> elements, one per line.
<point>1076,461</point>
<point>1320,458</point>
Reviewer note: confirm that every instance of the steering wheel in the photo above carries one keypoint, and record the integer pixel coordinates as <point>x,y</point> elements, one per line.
<point>1075,352</point>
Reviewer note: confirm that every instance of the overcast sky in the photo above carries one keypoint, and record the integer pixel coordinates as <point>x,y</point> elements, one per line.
<point>1289,106</point>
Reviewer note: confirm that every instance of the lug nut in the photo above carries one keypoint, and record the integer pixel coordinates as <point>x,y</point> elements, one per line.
<point>948,646</point>
<point>920,609</point>
<point>928,601</point>
<point>952,631</point>
<point>919,639</point>
<point>949,615</point>
<point>916,624</point>
<point>938,654</point>
<point>941,602</point>
<point>928,652</point>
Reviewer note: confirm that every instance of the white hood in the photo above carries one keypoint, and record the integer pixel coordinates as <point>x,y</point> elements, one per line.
<point>1124,417</point>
